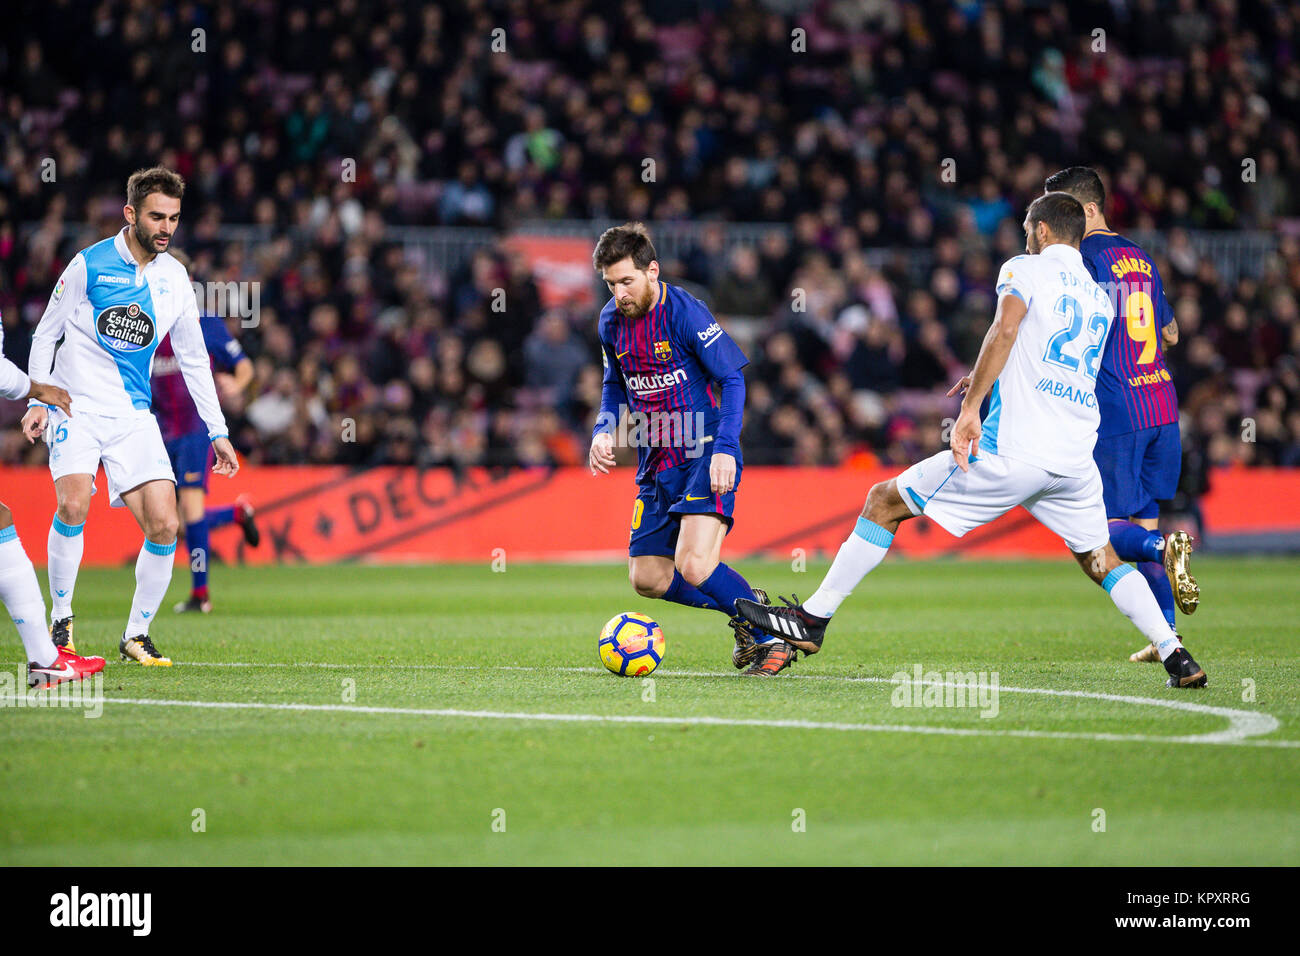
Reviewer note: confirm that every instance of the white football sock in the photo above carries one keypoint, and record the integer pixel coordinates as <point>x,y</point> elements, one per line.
<point>857,557</point>
<point>1132,595</point>
<point>21,593</point>
<point>64,559</point>
<point>153,572</point>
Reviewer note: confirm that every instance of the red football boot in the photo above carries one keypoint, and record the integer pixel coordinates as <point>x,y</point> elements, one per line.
<point>67,666</point>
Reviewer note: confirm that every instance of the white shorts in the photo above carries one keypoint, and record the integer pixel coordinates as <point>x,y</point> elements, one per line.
<point>131,449</point>
<point>962,501</point>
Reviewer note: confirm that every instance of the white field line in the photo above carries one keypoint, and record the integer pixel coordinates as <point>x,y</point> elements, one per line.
<point>1242,724</point>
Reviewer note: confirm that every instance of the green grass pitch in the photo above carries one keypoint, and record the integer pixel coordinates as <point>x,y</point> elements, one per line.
<point>411,748</point>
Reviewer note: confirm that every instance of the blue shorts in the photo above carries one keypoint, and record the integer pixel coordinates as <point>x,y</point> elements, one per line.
<point>665,497</point>
<point>191,457</point>
<point>1139,469</point>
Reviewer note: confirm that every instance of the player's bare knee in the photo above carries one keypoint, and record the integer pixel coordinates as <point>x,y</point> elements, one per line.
<point>648,582</point>
<point>696,568</point>
<point>1098,562</point>
<point>881,504</point>
<point>162,529</point>
<point>649,590</point>
<point>73,509</point>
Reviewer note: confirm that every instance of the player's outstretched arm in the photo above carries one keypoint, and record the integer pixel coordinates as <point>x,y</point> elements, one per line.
<point>992,360</point>
<point>15,385</point>
<point>51,395</point>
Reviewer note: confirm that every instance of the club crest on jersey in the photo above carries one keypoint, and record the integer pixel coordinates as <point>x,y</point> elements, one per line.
<point>663,351</point>
<point>125,328</point>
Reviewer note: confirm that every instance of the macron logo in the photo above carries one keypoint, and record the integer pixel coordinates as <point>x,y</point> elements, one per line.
<point>710,335</point>
<point>74,909</point>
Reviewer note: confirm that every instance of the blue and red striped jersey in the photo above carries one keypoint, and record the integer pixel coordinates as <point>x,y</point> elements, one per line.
<point>1134,389</point>
<point>667,361</point>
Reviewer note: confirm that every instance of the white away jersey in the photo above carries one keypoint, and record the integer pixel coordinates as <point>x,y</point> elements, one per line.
<point>109,316</point>
<point>1043,409</point>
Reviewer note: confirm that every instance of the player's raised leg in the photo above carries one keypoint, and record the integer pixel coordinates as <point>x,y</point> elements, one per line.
<point>241,513</point>
<point>1163,563</point>
<point>154,506</point>
<point>1178,552</point>
<point>1134,599</point>
<point>47,665</point>
<point>64,549</point>
<point>1073,508</point>
<point>804,624</point>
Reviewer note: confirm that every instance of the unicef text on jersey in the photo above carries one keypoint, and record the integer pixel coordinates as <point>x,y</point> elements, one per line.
<point>678,429</point>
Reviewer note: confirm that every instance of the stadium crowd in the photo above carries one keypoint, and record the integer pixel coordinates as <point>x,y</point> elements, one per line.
<point>883,134</point>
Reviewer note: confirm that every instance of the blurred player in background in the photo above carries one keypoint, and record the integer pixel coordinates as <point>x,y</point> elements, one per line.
<point>47,665</point>
<point>663,353</point>
<point>190,452</point>
<point>1038,365</point>
<point>113,304</point>
<point>1139,452</point>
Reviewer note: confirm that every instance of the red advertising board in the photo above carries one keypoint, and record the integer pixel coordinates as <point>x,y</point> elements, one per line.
<point>320,515</point>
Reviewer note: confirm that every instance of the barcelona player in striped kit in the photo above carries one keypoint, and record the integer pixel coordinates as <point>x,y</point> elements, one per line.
<point>670,364</point>
<point>1138,449</point>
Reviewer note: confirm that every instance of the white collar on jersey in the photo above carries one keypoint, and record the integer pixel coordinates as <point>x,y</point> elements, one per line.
<point>1059,250</point>
<point>123,250</point>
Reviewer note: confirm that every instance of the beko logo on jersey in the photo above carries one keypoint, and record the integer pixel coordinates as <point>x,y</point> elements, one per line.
<point>656,382</point>
<point>712,332</point>
<point>126,328</point>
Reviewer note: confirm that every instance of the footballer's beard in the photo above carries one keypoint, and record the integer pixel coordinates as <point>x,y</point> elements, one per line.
<point>1031,244</point>
<point>146,239</point>
<point>638,308</point>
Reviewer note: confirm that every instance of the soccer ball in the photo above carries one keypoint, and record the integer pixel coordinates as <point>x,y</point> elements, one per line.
<point>631,645</point>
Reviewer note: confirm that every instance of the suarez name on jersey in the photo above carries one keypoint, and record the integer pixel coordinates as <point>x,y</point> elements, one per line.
<point>667,362</point>
<point>1134,390</point>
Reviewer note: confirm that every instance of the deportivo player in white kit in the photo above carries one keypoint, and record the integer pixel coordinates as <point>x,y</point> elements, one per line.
<point>1034,448</point>
<point>47,665</point>
<point>111,307</point>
